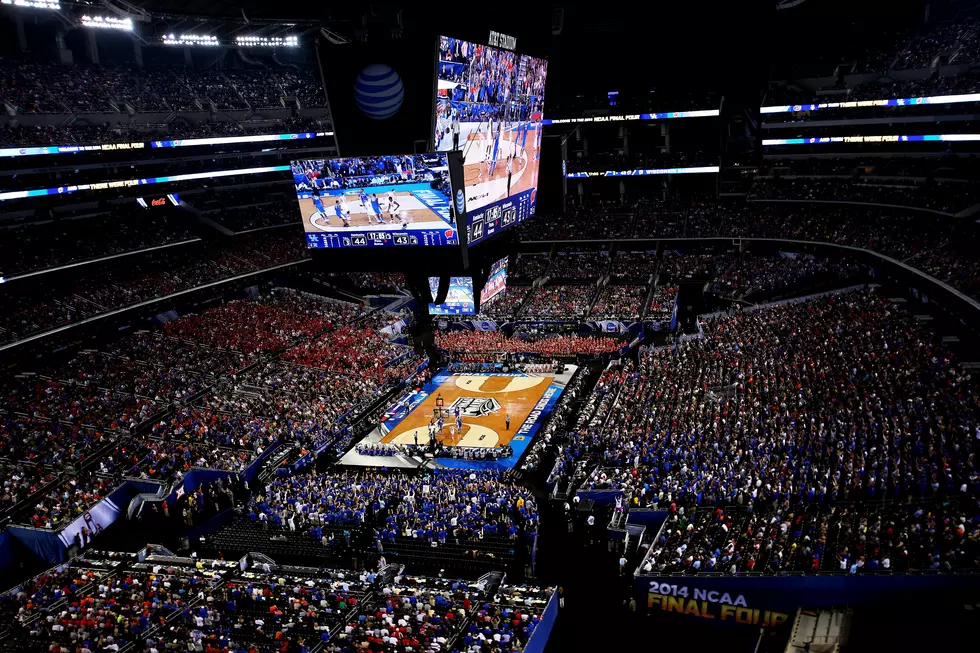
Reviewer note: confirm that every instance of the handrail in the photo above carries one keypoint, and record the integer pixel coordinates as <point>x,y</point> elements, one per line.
<point>945,286</point>
<point>149,302</point>
<point>68,266</point>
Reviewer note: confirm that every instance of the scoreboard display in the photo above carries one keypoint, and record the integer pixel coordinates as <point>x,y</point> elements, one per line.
<point>376,201</point>
<point>459,300</point>
<point>496,281</point>
<point>489,105</point>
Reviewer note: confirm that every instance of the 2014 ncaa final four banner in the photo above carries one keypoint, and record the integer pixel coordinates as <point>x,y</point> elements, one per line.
<point>769,601</point>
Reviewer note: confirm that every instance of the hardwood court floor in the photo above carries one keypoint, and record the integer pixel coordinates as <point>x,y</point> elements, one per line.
<point>485,399</point>
<point>412,210</point>
<point>474,173</point>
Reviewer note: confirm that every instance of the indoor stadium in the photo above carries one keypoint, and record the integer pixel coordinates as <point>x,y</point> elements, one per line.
<point>402,329</point>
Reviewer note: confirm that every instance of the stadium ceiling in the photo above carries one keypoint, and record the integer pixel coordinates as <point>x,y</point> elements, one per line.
<point>260,11</point>
<point>789,4</point>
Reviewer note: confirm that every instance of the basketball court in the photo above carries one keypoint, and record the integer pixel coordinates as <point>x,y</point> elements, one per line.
<point>420,207</point>
<point>484,402</point>
<point>485,186</point>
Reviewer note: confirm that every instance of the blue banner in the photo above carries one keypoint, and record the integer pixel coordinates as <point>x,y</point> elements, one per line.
<point>539,638</point>
<point>484,325</point>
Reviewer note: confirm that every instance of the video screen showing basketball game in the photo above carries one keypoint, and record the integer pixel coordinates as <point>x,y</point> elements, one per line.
<point>496,282</point>
<point>489,105</point>
<point>376,201</point>
<point>459,300</point>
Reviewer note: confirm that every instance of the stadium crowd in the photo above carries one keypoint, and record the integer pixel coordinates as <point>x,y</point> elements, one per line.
<point>562,301</point>
<point>465,343</point>
<point>943,249</point>
<point>848,538</point>
<point>241,219</point>
<point>662,303</point>
<point>81,412</point>
<point>295,393</point>
<point>619,302</point>
<point>94,292</point>
<point>575,265</point>
<point>444,505</point>
<point>713,412</point>
<point>688,266</point>
<point>605,222</point>
<point>52,88</point>
<point>529,267</point>
<point>376,281</point>
<point>253,328</point>
<point>749,275</point>
<point>949,197</point>
<point>30,247</point>
<point>353,350</point>
<point>505,305</point>
<point>633,265</point>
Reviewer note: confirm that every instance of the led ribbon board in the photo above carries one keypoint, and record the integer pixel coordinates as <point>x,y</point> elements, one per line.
<point>111,147</point>
<point>643,173</point>
<point>915,138</point>
<point>860,104</point>
<point>104,185</point>
<point>232,140</point>
<point>702,113</point>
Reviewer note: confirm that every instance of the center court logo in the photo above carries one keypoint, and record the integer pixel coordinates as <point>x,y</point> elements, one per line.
<point>460,201</point>
<point>475,406</point>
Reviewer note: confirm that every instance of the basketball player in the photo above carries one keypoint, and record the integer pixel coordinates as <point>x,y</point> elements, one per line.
<point>486,160</point>
<point>524,139</point>
<point>364,198</point>
<point>459,423</point>
<point>440,423</point>
<point>342,213</point>
<point>318,204</point>
<point>376,209</point>
<point>393,207</point>
<point>496,148</point>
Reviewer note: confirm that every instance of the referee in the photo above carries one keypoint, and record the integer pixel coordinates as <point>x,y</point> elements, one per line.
<point>510,171</point>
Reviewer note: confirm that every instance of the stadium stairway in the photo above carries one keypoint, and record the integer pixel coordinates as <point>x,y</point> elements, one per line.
<point>820,631</point>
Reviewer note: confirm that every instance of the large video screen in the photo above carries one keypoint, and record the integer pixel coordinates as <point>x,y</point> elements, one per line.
<point>489,105</point>
<point>496,282</point>
<point>459,300</point>
<point>401,200</point>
